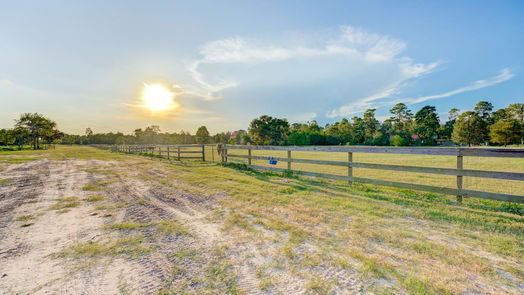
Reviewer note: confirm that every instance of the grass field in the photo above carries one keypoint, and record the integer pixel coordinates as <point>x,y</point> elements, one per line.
<point>321,236</point>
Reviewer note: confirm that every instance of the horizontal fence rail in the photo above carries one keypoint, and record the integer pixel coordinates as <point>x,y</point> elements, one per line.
<point>175,152</point>
<point>459,172</point>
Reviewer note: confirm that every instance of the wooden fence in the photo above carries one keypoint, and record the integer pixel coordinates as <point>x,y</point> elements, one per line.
<point>175,152</point>
<point>459,172</point>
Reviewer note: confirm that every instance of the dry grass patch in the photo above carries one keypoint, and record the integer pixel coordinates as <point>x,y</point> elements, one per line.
<point>64,204</point>
<point>96,198</point>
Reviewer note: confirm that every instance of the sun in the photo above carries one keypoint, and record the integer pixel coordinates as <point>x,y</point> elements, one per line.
<point>158,98</point>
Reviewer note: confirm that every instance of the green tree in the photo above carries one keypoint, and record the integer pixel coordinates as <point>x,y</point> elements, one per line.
<point>427,123</point>
<point>469,129</point>
<point>36,126</point>
<point>447,129</point>
<point>505,131</point>
<point>401,119</point>
<point>202,135</point>
<point>516,111</point>
<point>371,126</point>
<point>484,109</point>
<point>359,131</point>
<point>268,130</point>
<point>398,140</point>
<point>6,137</point>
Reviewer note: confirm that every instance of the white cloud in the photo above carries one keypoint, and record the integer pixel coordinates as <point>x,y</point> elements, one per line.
<point>334,74</point>
<point>504,75</point>
<point>367,102</point>
<point>349,42</point>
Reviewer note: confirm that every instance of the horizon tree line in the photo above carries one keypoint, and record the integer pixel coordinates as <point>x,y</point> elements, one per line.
<point>480,126</point>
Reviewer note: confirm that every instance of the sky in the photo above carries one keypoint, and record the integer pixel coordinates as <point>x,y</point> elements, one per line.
<point>86,63</point>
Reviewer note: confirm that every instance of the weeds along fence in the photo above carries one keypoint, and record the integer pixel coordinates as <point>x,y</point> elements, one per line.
<point>175,152</point>
<point>229,152</point>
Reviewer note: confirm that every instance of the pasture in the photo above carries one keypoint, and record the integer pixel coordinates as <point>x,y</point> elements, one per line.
<point>132,224</point>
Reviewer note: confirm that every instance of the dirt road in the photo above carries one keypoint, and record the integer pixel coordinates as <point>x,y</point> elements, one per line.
<point>96,227</point>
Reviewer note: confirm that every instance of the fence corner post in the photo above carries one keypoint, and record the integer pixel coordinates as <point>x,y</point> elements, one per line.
<point>460,166</point>
<point>249,156</point>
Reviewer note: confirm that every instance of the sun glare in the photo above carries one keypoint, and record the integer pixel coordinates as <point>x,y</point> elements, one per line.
<point>158,98</point>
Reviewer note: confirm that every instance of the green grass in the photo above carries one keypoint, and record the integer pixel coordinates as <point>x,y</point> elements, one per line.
<point>62,205</point>
<point>133,246</point>
<point>319,286</point>
<point>5,181</point>
<point>91,188</point>
<point>18,160</point>
<point>166,227</point>
<point>110,207</point>
<point>25,218</point>
<point>96,198</point>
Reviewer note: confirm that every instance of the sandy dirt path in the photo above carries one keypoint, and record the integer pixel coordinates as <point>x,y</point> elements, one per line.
<point>118,227</point>
<point>44,212</point>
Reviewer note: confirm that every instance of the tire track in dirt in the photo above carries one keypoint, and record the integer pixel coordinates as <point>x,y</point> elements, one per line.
<point>193,211</point>
<point>38,186</point>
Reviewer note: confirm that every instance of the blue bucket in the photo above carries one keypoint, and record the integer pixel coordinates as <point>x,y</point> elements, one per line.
<point>272,161</point>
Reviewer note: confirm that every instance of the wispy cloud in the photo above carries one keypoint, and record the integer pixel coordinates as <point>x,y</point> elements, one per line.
<point>504,75</point>
<point>349,42</point>
<point>389,93</point>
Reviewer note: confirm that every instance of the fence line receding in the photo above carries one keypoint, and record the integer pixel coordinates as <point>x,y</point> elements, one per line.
<point>459,172</point>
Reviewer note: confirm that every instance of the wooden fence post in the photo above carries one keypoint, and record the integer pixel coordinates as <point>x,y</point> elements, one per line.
<point>350,168</point>
<point>289,160</point>
<point>168,152</point>
<point>460,166</point>
<point>203,152</point>
<point>178,151</point>
<point>213,153</point>
<point>249,154</point>
<point>225,153</point>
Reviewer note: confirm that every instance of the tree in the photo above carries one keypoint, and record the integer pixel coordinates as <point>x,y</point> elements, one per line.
<point>447,129</point>
<point>149,135</point>
<point>37,127</point>
<point>359,131</point>
<point>6,136</point>
<point>89,132</point>
<point>516,111</point>
<point>202,135</point>
<point>469,129</point>
<point>268,130</point>
<point>427,123</point>
<point>505,131</point>
<point>401,120</point>
<point>484,109</point>
<point>371,125</point>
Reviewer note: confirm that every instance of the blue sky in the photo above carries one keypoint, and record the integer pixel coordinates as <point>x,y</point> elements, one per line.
<point>84,63</point>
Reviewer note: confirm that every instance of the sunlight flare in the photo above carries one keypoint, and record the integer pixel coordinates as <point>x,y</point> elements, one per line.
<point>158,98</point>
